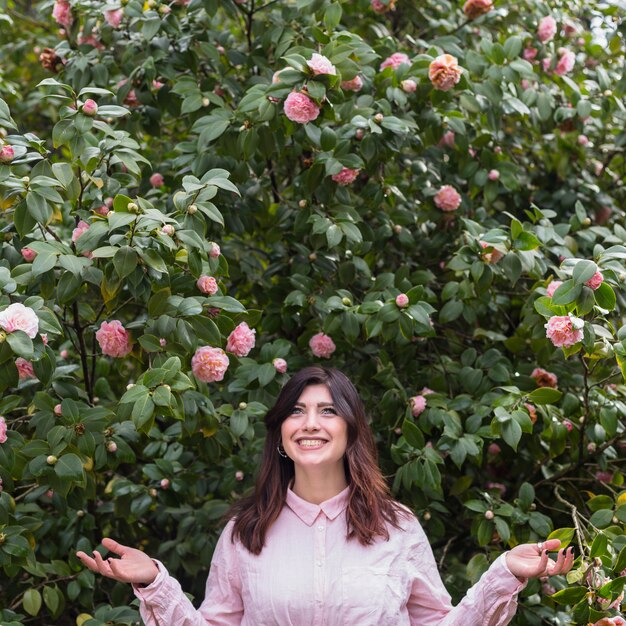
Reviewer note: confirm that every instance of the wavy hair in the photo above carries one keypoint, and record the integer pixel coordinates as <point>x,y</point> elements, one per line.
<point>370,506</point>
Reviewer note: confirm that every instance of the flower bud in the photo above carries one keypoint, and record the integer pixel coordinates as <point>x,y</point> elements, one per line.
<point>57,409</point>
<point>7,154</point>
<point>358,135</point>
<point>130,386</point>
<point>346,301</point>
<point>243,405</point>
<point>80,513</point>
<point>302,204</point>
<point>90,108</point>
<point>153,492</point>
<point>111,447</point>
<point>165,483</point>
<point>489,515</point>
<point>239,475</point>
<point>192,209</point>
<point>132,207</point>
<point>168,229</point>
<point>379,117</point>
<point>426,516</point>
<point>3,336</point>
<point>51,460</point>
<point>312,257</point>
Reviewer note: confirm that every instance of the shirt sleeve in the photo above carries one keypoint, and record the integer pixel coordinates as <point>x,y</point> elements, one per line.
<point>163,603</point>
<point>492,601</point>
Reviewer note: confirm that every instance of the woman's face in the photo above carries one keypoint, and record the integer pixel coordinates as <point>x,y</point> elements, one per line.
<point>314,435</point>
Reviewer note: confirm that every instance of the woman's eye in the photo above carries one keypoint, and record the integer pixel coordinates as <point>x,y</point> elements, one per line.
<point>296,411</point>
<point>329,411</point>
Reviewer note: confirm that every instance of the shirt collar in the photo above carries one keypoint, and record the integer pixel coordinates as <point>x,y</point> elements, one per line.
<point>308,512</point>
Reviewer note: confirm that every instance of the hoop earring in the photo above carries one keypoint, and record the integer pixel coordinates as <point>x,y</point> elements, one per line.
<point>281,451</point>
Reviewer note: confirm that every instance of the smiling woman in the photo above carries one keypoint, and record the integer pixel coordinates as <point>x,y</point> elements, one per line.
<point>321,541</point>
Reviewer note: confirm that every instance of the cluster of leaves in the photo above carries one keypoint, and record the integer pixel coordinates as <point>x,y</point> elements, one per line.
<point>187,91</point>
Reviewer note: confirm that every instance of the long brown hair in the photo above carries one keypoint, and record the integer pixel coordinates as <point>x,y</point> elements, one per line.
<point>370,506</point>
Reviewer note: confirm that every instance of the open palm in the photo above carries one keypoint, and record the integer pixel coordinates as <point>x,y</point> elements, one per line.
<point>528,560</point>
<point>133,566</point>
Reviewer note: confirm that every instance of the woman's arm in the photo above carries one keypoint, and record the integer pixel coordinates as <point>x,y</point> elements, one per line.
<point>492,601</point>
<point>162,601</point>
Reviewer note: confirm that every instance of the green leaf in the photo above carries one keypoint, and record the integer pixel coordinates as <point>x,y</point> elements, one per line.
<point>511,433</point>
<point>125,261</point>
<point>599,545</point>
<point>44,262</point>
<point>69,467</point>
<point>21,344</point>
<point>603,295</point>
<point>412,434</point>
<point>450,311</point>
<point>571,595</point>
<point>526,495</point>
<point>602,518</point>
<point>143,410</point>
<point>545,395</point>
<point>153,259</point>
<point>583,271</point>
<point>334,235</point>
<point>564,535</point>
<point>266,374</point>
<point>31,601</point>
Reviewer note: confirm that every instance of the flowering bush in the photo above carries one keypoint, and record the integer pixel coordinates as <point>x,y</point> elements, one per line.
<point>199,198</point>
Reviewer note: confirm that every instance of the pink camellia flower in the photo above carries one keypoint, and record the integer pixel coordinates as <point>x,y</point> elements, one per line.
<point>3,430</point>
<point>408,85</point>
<point>157,84</point>
<point>402,300</point>
<point>157,180</point>
<point>355,84</point>
<point>280,365</point>
<point>568,425</point>
<point>493,449</point>
<point>564,330</point>
<point>162,342</point>
<point>7,154</point>
<point>165,483</point>
<point>425,391</point>
<point>395,61</point>
<point>595,281</point>
<point>168,229</point>
<point>346,176</point>
<point>447,198</point>
<point>582,140</point>
<point>241,340</point>
<point>444,72</point>
<point>544,378</point>
<point>58,409</point>
<point>113,17</point>
<point>215,250</point>
<point>114,339</point>
<point>529,53</point>
<point>103,210</point>
<point>90,108</point>
<point>532,411</point>
<point>493,175</point>
<point>418,404</point>
<point>81,227</point>
<point>476,8</point>
<point>207,284</point>
<point>565,64</point>
<point>209,364</point>
<point>322,345</point>
<point>19,317</point>
<point>28,254</point>
<point>62,13</point>
<point>319,64</point>
<point>490,257</point>
<point>546,29</point>
<point>378,6</point>
<point>64,354</point>
<point>89,40</point>
<point>300,108</point>
<point>238,475</point>
<point>447,140</point>
<point>552,287</point>
<point>604,477</point>
<point>24,368</point>
<point>498,486</point>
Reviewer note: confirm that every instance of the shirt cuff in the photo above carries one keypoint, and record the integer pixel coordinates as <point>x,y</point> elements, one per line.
<point>145,593</point>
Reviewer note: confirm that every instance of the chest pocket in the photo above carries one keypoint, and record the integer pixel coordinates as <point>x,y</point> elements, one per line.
<point>372,597</point>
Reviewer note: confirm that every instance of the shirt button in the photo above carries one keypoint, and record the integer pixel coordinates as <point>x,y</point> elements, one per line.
<point>320,528</point>
<point>319,564</point>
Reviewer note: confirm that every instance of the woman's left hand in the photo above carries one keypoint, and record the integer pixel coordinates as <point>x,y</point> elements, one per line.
<point>531,560</point>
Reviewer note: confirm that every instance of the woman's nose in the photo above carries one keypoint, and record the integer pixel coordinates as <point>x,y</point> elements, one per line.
<point>312,420</point>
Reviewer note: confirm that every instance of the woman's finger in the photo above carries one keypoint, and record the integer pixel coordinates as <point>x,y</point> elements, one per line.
<point>87,561</point>
<point>555,567</point>
<point>103,566</point>
<point>114,546</point>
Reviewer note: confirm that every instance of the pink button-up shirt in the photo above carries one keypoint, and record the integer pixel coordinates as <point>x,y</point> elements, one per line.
<point>308,574</point>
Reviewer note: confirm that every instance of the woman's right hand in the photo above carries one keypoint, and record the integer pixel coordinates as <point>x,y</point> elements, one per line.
<point>133,566</point>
